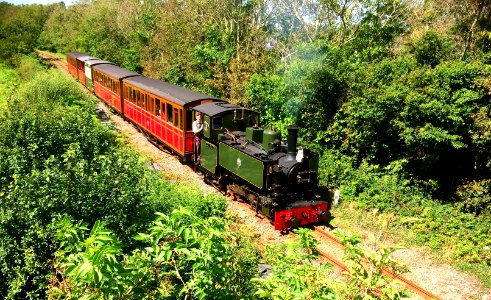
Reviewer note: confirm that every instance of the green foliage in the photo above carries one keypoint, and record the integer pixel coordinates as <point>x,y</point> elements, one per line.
<point>431,49</point>
<point>424,116</point>
<point>27,67</point>
<point>381,22</point>
<point>8,84</point>
<point>20,27</point>
<point>292,274</point>
<point>57,159</point>
<point>267,96</point>
<point>464,236</point>
<point>366,266</point>
<point>185,256</point>
<point>476,196</point>
<point>461,235</point>
<point>60,32</point>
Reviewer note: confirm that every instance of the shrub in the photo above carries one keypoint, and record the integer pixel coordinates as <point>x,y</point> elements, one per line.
<point>56,159</point>
<point>182,256</point>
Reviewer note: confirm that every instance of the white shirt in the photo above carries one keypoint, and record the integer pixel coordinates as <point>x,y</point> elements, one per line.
<point>197,126</point>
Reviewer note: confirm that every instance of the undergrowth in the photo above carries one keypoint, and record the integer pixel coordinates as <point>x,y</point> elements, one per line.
<point>460,237</point>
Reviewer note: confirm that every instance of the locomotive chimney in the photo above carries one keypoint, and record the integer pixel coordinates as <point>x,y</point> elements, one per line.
<point>292,142</point>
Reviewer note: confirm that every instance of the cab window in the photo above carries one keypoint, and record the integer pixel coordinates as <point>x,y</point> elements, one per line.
<point>253,121</point>
<point>217,123</point>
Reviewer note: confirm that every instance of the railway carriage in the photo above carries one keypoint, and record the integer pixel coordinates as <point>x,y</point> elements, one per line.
<point>71,58</point>
<point>108,84</point>
<point>163,110</point>
<point>81,67</point>
<point>89,64</point>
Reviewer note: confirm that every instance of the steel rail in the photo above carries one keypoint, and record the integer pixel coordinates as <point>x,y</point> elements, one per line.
<point>409,284</point>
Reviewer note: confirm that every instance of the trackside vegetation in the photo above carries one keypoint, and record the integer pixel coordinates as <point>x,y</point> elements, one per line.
<point>394,95</point>
<point>58,164</point>
<point>83,217</point>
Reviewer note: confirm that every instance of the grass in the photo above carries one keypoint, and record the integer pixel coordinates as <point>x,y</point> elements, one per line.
<point>8,83</point>
<point>355,221</point>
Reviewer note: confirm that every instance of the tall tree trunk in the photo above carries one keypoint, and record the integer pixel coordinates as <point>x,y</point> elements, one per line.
<point>479,10</point>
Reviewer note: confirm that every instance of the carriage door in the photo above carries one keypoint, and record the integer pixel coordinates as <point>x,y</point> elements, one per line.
<point>177,136</point>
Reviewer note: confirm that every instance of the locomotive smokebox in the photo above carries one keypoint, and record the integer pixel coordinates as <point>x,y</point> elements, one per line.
<point>292,142</point>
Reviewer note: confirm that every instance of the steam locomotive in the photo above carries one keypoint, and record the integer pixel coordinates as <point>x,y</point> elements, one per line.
<point>276,177</point>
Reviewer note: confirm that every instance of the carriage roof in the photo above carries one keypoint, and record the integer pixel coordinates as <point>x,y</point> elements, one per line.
<point>168,91</point>
<point>115,71</point>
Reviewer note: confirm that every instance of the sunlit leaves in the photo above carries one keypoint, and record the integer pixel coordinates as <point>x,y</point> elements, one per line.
<point>184,257</point>
<point>293,276</point>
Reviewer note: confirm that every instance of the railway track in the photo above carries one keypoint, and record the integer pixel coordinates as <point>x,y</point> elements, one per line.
<point>413,287</point>
<point>61,64</point>
<point>54,60</point>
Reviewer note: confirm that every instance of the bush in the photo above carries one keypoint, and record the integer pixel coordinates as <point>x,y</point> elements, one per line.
<point>57,160</point>
<point>182,256</point>
<point>462,236</point>
<point>293,275</point>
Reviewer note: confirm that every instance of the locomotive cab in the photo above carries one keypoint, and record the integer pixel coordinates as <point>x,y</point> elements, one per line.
<point>220,118</point>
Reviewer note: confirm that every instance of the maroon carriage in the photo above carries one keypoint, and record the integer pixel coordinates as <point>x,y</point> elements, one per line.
<point>162,109</point>
<point>71,58</point>
<point>107,81</point>
<point>81,67</point>
<point>89,64</point>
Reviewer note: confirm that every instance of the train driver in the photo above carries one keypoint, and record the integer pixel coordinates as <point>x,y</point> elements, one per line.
<point>198,131</point>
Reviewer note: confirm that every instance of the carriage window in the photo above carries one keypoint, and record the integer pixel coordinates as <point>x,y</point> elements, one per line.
<point>176,117</point>
<point>169,113</point>
<point>138,99</point>
<point>157,107</point>
<point>217,123</point>
<point>181,123</point>
<point>162,112</point>
<point>147,104</point>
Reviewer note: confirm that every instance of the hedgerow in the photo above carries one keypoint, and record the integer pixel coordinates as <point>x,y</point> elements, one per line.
<point>56,161</point>
<point>446,227</point>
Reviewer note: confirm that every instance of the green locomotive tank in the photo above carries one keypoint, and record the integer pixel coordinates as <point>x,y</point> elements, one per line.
<point>276,177</point>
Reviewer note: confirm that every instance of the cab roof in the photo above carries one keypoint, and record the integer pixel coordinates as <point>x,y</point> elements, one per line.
<point>168,91</point>
<point>216,108</point>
